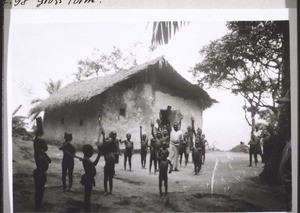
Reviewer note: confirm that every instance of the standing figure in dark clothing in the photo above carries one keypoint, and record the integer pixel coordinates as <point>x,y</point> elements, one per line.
<point>42,161</point>
<point>252,151</point>
<point>109,149</point>
<point>153,156</point>
<point>164,163</point>
<point>68,160</point>
<point>129,151</point>
<point>88,179</point>
<point>197,156</point>
<point>144,145</point>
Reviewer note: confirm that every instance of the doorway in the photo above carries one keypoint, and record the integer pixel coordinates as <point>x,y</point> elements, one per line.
<point>164,117</point>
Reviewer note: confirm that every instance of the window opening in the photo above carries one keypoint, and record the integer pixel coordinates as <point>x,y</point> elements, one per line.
<point>122,112</point>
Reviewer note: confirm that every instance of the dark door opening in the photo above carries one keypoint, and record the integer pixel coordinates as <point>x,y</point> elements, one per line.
<point>164,117</point>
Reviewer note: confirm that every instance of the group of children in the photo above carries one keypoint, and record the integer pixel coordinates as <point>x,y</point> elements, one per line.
<point>167,144</point>
<point>177,143</point>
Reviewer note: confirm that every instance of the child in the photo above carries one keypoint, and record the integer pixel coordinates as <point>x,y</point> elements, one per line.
<point>197,134</point>
<point>129,150</point>
<point>144,145</point>
<point>68,160</point>
<point>181,150</point>
<point>109,148</point>
<point>42,161</point>
<point>90,171</point>
<point>197,157</point>
<point>190,133</point>
<point>166,136</point>
<point>158,138</point>
<point>184,149</point>
<point>163,168</point>
<point>113,138</point>
<point>203,143</point>
<point>198,138</point>
<point>153,157</point>
<point>163,151</point>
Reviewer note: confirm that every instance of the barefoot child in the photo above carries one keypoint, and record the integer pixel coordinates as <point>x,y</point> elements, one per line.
<point>129,150</point>
<point>157,136</point>
<point>153,156</point>
<point>89,173</point>
<point>203,143</point>
<point>159,139</point>
<point>166,136</point>
<point>197,134</point>
<point>163,151</point>
<point>190,133</point>
<point>109,148</point>
<point>197,157</point>
<point>144,145</point>
<point>198,137</point>
<point>189,137</point>
<point>42,161</point>
<point>163,168</point>
<point>68,160</point>
<point>184,149</point>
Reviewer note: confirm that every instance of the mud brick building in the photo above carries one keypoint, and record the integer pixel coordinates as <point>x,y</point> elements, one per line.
<point>122,102</point>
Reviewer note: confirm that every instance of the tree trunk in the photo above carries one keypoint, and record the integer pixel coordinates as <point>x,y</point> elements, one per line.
<point>283,134</point>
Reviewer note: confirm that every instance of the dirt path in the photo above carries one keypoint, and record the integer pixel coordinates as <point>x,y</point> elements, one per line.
<point>224,184</point>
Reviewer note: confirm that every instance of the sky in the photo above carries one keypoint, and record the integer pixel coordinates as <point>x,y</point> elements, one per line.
<point>48,45</point>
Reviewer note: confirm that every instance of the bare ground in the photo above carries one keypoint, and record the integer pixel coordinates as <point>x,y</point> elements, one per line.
<point>234,188</point>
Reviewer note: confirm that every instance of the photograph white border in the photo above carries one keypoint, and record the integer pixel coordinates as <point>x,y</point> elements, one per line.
<point>167,15</point>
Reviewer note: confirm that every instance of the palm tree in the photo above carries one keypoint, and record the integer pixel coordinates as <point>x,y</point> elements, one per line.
<point>51,87</point>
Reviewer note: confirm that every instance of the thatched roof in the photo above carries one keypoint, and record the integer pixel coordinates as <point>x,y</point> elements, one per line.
<point>83,91</point>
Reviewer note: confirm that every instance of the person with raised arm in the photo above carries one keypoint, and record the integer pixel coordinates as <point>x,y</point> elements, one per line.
<point>88,178</point>
<point>42,162</point>
<point>109,149</point>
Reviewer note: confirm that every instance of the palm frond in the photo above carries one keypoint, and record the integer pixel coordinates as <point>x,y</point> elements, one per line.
<point>164,31</point>
<point>53,86</point>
